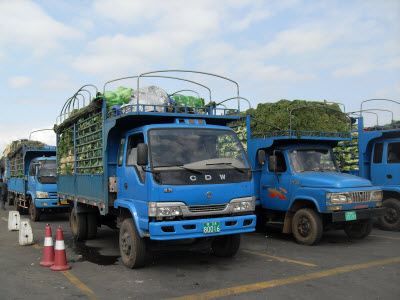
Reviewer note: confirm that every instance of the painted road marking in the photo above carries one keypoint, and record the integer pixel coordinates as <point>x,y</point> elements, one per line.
<point>91,295</point>
<point>272,283</point>
<point>280,258</point>
<point>5,219</point>
<point>79,284</point>
<point>385,237</point>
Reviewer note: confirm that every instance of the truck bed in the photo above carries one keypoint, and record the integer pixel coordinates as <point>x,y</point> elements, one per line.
<point>16,185</point>
<point>84,188</point>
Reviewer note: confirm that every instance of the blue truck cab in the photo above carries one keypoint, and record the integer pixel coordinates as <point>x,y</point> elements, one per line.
<point>300,188</point>
<point>31,179</point>
<point>379,162</point>
<point>168,173</point>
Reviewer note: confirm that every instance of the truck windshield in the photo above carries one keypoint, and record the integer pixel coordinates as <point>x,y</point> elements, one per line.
<point>196,149</point>
<point>312,160</point>
<point>47,172</point>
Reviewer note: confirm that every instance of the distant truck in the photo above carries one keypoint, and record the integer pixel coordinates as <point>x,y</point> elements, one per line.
<point>155,172</point>
<point>379,161</point>
<point>31,179</point>
<point>300,188</point>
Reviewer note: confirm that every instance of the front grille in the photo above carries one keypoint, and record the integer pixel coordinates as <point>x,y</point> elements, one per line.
<point>53,194</point>
<point>207,208</point>
<point>357,197</point>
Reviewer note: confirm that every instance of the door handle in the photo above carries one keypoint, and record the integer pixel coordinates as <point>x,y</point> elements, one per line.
<point>265,186</point>
<point>125,186</point>
<point>389,176</point>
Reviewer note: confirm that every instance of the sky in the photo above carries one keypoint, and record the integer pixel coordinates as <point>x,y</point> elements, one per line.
<point>341,51</point>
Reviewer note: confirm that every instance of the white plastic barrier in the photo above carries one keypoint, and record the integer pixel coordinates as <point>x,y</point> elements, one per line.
<point>25,233</point>
<point>13,220</point>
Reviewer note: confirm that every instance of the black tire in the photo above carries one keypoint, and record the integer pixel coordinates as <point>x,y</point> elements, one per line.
<point>34,211</point>
<point>226,245</point>
<point>10,199</point>
<point>391,219</point>
<point>78,224</point>
<point>17,207</point>
<point>307,226</point>
<point>131,246</point>
<point>91,226</point>
<point>358,231</point>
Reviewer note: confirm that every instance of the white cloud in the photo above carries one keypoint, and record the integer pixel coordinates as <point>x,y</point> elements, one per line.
<point>24,23</point>
<point>19,82</point>
<point>57,82</point>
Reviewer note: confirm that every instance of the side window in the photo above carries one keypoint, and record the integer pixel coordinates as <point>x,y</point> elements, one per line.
<point>32,169</point>
<point>378,151</point>
<point>121,152</point>
<point>393,153</point>
<point>131,154</point>
<point>281,163</point>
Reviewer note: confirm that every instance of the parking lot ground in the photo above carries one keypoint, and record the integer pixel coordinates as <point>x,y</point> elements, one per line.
<point>268,266</point>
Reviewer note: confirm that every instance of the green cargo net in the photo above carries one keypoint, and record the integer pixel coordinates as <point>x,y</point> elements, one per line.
<point>17,167</point>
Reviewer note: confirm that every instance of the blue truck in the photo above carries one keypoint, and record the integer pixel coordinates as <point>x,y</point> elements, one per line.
<point>300,188</point>
<point>378,154</point>
<point>31,179</point>
<point>155,172</point>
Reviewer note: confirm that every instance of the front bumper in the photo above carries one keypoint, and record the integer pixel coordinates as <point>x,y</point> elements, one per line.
<point>173,230</point>
<point>48,203</point>
<point>362,214</point>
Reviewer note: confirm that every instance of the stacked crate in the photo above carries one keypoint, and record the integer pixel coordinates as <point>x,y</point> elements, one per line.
<point>17,167</point>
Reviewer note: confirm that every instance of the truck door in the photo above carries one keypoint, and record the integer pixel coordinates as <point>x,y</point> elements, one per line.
<point>275,187</point>
<point>392,168</point>
<point>130,177</point>
<point>32,179</point>
<point>378,172</point>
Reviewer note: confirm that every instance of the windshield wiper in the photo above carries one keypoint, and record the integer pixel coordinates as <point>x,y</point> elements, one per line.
<point>182,167</point>
<point>227,164</point>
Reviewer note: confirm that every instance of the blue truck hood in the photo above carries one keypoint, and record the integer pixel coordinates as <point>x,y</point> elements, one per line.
<point>331,180</point>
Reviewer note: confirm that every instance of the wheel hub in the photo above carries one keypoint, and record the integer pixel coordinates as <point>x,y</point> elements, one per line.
<point>126,243</point>
<point>391,215</point>
<point>304,226</point>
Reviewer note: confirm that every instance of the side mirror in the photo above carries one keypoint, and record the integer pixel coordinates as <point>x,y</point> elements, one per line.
<point>273,163</point>
<point>142,155</point>
<point>261,157</point>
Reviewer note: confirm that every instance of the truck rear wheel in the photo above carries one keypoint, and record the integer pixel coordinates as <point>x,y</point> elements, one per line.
<point>78,223</point>
<point>16,206</point>
<point>226,245</point>
<point>10,199</point>
<point>391,219</point>
<point>358,230</point>
<point>131,246</point>
<point>307,226</point>
<point>34,211</point>
<point>91,226</point>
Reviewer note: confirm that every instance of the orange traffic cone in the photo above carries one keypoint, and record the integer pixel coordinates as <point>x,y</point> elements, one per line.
<point>48,254</point>
<point>60,261</point>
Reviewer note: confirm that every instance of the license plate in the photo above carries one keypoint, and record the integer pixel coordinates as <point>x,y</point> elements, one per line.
<point>211,227</point>
<point>350,215</point>
<point>64,202</point>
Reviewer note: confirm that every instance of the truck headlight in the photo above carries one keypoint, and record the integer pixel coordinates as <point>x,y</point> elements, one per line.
<point>337,198</point>
<point>377,196</point>
<point>165,209</point>
<point>242,204</point>
<point>42,195</point>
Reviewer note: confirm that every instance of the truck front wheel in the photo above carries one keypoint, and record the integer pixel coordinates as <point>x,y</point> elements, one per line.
<point>131,246</point>
<point>358,230</point>
<point>391,219</point>
<point>34,211</point>
<point>226,245</point>
<point>78,225</point>
<point>307,226</point>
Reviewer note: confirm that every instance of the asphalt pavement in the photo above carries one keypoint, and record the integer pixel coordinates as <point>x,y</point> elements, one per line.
<point>267,266</point>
